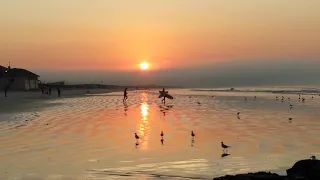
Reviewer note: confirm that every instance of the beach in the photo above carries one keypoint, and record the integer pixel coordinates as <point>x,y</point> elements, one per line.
<point>91,136</point>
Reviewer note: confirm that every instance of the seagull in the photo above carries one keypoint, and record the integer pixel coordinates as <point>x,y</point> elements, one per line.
<point>136,136</point>
<point>238,113</point>
<point>162,134</point>
<point>224,146</point>
<point>313,157</point>
<point>192,134</point>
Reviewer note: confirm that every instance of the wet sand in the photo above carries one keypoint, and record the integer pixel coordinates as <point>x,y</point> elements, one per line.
<point>92,136</point>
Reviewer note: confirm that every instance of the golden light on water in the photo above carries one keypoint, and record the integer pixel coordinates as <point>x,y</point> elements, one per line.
<point>144,122</point>
<point>144,111</point>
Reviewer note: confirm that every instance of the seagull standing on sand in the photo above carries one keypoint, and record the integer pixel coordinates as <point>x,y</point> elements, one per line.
<point>192,134</point>
<point>313,157</point>
<point>225,147</point>
<point>136,136</point>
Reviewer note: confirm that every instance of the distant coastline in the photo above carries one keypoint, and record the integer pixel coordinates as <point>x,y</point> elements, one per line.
<point>101,86</point>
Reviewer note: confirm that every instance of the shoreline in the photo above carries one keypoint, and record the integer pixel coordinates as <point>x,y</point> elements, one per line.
<point>306,169</point>
<point>27,101</point>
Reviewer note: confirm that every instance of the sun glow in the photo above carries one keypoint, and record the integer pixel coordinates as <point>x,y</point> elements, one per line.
<point>144,66</point>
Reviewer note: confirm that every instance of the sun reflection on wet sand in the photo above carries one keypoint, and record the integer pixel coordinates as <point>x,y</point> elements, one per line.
<point>144,123</point>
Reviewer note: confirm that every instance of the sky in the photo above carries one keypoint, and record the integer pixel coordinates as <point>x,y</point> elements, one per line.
<point>208,40</point>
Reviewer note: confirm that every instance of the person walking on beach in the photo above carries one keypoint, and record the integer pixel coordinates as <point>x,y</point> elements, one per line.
<point>59,92</point>
<point>5,91</point>
<point>164,96</point>
<point>125,96</point>
<point>42,91</point>
<point>7,87</point>
<point>49,91</point>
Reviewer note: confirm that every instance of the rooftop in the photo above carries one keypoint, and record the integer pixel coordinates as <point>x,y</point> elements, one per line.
<point>16,72</point>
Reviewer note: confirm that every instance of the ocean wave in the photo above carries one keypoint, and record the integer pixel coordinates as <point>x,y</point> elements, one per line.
<point>306,91</point>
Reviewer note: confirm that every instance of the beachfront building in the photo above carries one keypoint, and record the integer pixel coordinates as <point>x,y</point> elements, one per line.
<point>18,79</point>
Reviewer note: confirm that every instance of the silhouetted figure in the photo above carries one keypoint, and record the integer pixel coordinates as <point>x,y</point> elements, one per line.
<point>7,87</point>
<point>225,147</point>
<point>162,140</point>
<point>125,94</point>
<point>161,134</point>
<point>238,113</point>
<point>255,97</point>
<point>59,92</point>
<point>164,97</point>
<point>5,91</point>
<point>49,91</point>
<point>42,91</point>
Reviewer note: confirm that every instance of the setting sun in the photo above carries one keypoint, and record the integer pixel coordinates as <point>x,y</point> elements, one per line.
<point>144,66</point>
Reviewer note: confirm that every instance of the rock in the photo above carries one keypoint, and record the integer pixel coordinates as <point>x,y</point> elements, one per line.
<point>253,176</point>
<point>308,169</point>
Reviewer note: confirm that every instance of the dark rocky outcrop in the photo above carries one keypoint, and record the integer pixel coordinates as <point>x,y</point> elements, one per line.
<point>308,168</point>
<point>253,176</point>
<point>303,170</point>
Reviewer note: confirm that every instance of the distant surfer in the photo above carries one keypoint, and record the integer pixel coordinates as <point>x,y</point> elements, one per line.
<point>59,92</point>
<point>163,92</point>
<point>125,95</point>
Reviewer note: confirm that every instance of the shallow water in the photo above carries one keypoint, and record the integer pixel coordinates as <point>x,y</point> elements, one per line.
<point>92,137</point>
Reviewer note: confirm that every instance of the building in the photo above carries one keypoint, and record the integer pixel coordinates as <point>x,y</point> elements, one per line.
<point>18,79</point>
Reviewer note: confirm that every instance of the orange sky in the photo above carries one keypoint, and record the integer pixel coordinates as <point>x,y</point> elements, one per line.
<point>81,34</point>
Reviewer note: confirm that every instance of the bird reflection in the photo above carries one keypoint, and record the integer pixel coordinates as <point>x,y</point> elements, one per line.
<point>164,109</point>
<point>192,142</point>
<point>225,155</point>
